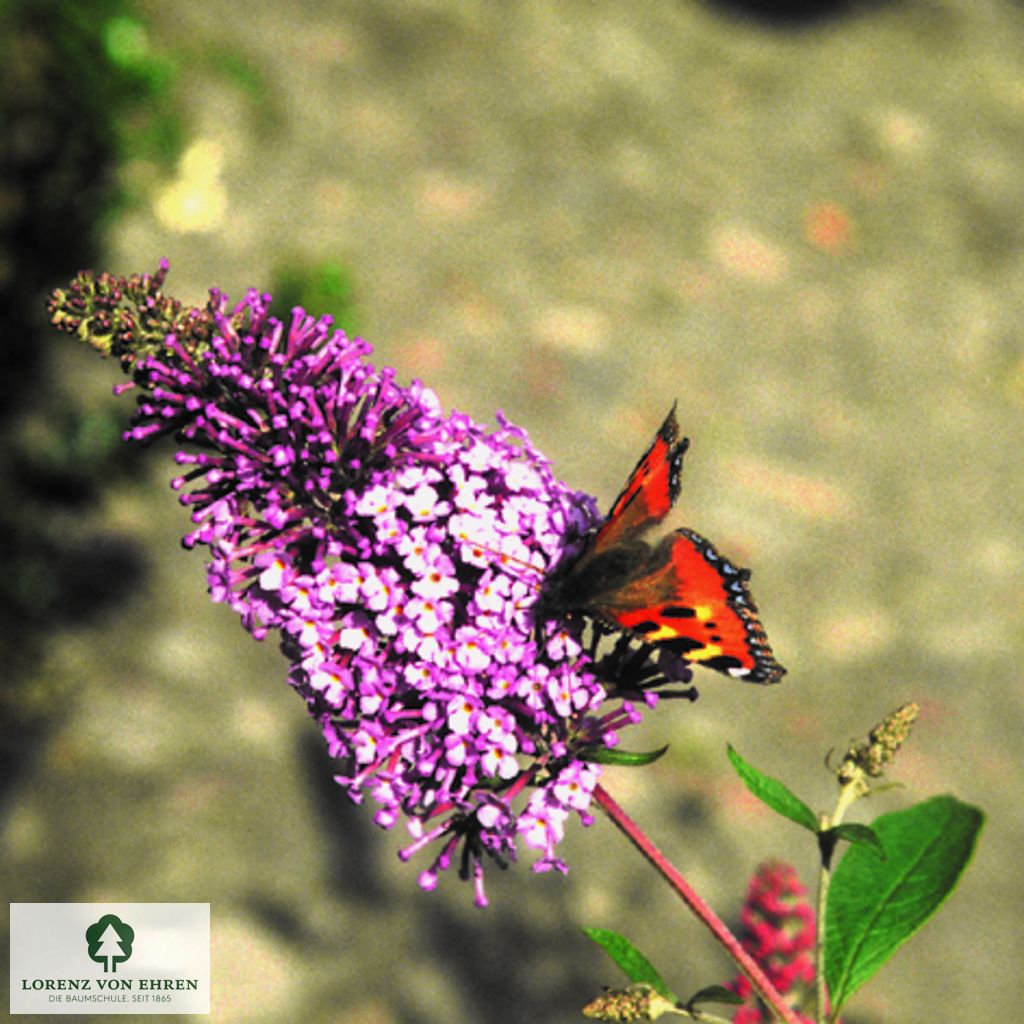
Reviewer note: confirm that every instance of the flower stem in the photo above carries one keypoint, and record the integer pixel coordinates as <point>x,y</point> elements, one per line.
<point>705,914</point>
<point>848,792</point>
<point>821,992</point>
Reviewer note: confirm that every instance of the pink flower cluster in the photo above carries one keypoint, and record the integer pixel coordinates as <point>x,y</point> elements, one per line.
<point>778,931</point>
<point>398,553</point>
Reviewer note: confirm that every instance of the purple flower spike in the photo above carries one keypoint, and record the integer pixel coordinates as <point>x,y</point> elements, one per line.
<point>399,554</point>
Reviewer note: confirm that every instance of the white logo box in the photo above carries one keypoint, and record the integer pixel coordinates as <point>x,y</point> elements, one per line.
<point>110,958</point>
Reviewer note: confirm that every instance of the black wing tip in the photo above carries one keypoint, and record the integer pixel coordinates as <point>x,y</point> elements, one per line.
<point>677,447</point>
<point>669,432</point>
<point>767,671</point>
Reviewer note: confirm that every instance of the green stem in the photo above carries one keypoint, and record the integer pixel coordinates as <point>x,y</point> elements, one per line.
<point>826,844</point>
<point>764,988</point>
<point>821,990</point>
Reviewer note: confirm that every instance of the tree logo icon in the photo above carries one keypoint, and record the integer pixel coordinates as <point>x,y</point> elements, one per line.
<point>110,942</point>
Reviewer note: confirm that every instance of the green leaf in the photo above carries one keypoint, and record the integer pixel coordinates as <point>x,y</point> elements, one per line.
<point>775,794</point>
<point>874,906</point>
<point>714,994</point>
<point>635,965</point>
<point>626,758</point>
<point>860,835</point>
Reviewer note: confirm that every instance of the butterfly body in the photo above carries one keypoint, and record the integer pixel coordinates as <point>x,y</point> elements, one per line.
<point>588,584</point>
<point>678,593</point>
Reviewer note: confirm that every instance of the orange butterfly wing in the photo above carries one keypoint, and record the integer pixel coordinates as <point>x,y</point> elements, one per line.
<point>694,601</point>
<point>650,491</point>
<point>682,595</point>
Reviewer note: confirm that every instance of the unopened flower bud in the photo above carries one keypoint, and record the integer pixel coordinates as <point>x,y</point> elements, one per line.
<point>867,760</point>
<point>638,1002</point>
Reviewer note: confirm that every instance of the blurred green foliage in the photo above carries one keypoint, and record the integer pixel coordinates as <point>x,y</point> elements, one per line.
<point>320,288</point>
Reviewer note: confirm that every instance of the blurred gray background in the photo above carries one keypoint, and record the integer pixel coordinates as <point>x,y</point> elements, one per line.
<point>805,224</point>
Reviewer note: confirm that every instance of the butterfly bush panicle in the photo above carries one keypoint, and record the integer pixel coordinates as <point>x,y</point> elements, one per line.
<point>398,552</point>
<point>778,931</point>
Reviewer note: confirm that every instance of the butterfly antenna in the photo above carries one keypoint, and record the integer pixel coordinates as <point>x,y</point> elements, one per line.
<point>504,558</point>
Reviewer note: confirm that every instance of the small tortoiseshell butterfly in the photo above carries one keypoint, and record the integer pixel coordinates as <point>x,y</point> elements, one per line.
<point>681,593</point>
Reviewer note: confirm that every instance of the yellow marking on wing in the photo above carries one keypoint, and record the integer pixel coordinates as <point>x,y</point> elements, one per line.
<point>662,633</point>
<point>703,653</point>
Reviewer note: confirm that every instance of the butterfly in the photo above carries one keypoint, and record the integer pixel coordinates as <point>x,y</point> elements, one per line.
<point>680,593</point>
